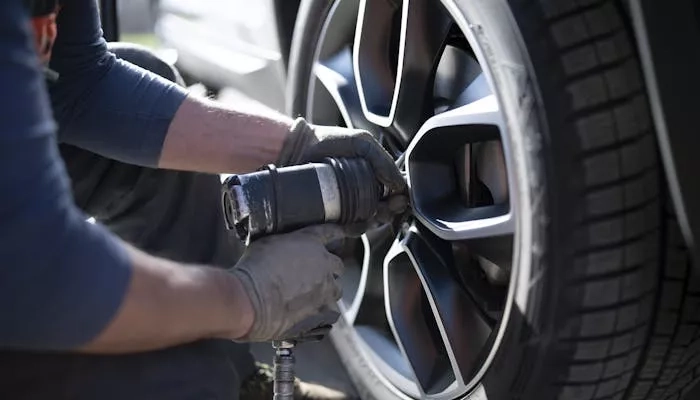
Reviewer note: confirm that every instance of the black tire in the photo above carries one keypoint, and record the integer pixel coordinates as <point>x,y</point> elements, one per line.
<point>611,309</point>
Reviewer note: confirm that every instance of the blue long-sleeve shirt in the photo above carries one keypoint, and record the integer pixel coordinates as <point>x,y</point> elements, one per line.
<point>103,104</point>
<point>61,279</point>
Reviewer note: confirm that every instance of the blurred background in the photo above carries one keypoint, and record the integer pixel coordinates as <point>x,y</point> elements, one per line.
<point>137,22</point>
<point>216,45</point>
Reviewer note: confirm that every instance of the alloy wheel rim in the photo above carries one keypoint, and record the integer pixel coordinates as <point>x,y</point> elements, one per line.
<point>463,227</point>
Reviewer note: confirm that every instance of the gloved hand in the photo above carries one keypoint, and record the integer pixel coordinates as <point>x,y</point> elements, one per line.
<point>309,143</point>
<point>291,281</point>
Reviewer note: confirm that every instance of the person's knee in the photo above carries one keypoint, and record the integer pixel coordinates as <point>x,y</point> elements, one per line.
<point>146,59</point>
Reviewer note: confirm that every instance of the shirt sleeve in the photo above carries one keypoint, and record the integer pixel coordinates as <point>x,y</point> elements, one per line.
<point>103,104</point>
<point>61,279</point>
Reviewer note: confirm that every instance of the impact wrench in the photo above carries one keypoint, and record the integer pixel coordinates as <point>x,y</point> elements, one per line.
<point>273,201</point>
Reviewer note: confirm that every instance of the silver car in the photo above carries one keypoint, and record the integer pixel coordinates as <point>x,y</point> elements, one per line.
<point>226,43</point>
<point>547,251</point>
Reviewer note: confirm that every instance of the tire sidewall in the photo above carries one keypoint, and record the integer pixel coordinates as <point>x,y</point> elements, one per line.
<point>307,31</point>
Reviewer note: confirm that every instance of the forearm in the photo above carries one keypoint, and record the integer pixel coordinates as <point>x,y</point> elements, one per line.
<point>208,136</point>
<point>169,304</point>
<point>113,108</point>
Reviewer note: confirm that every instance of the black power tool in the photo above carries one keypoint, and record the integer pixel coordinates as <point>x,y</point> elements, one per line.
<point>275,200</point>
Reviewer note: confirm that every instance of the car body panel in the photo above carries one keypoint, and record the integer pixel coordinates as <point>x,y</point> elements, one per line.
<point>667,38</point>
<point>227,43</point>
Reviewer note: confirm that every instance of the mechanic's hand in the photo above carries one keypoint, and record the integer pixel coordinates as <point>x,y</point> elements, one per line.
<point>291,281</point>
<point>307,143</point>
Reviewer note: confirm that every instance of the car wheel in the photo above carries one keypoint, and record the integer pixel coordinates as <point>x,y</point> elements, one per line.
<point>540,258</point>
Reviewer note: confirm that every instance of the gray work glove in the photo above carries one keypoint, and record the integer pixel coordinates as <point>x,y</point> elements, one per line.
<point>309,143</point>
<point>291,281</point>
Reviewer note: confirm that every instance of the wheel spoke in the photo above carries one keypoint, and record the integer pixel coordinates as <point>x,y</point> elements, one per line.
<point>363,309</point>
<point>446,340</point>
<point>471,224</point>
<point>435,186</point>
<point>485,274</point>
<point>463,328</point>
<point>483,112</point>
<point>425,29</point>
<point>412,325</point>
<point>477,90</point>
<point>375,56</point>
<point>459,80</point>
<point>337,77</point>
<point>395,53</point>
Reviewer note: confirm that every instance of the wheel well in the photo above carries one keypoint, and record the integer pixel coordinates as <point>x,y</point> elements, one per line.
<point>286,15</point>
<point>668,38</point>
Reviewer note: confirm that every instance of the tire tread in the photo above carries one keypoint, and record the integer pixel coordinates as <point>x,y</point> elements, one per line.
<point>634,334</point>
